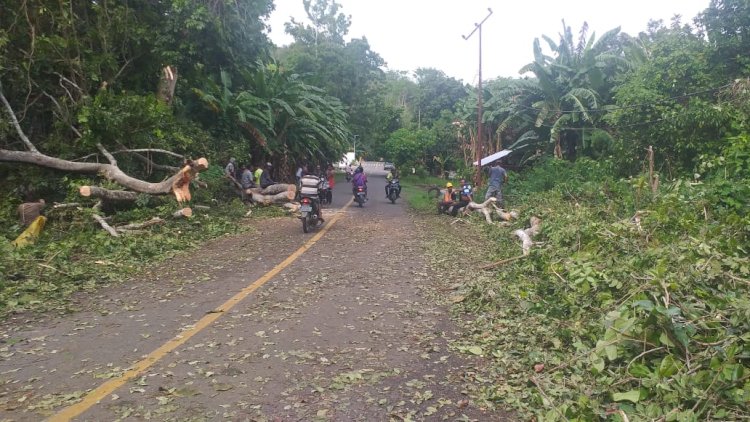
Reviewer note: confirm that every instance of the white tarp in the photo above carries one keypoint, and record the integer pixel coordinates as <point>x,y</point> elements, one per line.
<point>490,158</point>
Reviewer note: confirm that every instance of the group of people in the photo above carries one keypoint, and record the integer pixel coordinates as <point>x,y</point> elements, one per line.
<point>453,200</point>
<point>249,176</point>
<point>328,174</point>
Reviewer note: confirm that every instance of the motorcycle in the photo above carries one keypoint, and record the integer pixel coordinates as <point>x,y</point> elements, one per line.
<point>325,193</point>
<point>394,189</point>
<point>310,203</point>
<point>360,195</point>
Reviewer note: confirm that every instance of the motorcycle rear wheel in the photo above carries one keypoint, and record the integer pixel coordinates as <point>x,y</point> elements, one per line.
<point>305,228</point>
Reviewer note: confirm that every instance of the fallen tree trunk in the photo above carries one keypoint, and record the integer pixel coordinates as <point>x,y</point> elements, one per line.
<point>487,207</point>
<point>279,198</point>
<point>273,189</point>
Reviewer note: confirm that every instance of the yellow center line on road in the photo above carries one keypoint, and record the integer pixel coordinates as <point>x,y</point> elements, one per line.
<point>110,386</point>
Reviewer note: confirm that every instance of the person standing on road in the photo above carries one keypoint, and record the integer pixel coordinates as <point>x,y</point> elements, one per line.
<point>498,177</point>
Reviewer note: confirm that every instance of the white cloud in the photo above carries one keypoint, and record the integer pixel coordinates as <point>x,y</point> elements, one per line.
<point>409,34</point>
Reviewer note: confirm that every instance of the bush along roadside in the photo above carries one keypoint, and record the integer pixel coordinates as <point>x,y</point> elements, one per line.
<point>631,305</point>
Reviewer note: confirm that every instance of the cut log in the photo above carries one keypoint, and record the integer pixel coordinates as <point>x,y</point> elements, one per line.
<point>279,198</point>
<point>107,194</point>
<point>102,222</point>
<point>181,183</point>
<point>183,212</point>
<point>29,211</point>
<point>273,189</point>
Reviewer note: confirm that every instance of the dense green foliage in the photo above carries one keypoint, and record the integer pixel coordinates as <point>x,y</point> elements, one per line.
<point>632,302</point>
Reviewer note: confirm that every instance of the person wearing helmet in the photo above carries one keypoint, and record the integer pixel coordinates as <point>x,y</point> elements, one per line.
<point>392,174</point>
<point>359,179</point>
<point>449,198</point>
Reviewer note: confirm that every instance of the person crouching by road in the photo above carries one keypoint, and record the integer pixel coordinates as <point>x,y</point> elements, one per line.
<point>465,195</point>
<point>449,198</point>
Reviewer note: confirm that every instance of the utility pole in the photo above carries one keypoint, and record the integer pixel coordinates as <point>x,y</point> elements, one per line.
<point>480,95</point>
<point>355,146</point>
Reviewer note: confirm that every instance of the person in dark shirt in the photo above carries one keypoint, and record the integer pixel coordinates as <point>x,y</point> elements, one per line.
<point>265,177</point>
<point>498,176</point>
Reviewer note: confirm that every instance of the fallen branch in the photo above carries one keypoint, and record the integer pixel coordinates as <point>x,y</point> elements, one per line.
<point>526,235</point>
<point>279,198</point>
<point>108,194</point>
<point>138,226</point>
<point>105,225</point>
<point>483,208</point>
<point>109,170</point>
<point>501,262</point>
<point>58,206</point>
<point>544,395</point>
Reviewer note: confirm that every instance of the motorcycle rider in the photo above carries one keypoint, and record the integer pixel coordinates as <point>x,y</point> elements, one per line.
<point>359,179</point>
<point>392,174</point>
<point>314,199</point>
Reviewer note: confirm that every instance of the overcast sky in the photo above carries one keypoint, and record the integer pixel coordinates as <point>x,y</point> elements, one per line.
<point>409,34</point>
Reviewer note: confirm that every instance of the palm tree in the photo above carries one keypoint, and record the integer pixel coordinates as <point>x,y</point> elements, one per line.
<point>286,118</point>
<point>567,89</point>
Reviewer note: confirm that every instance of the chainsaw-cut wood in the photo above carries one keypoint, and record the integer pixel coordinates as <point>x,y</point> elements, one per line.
<point>279,198</point>
<point>273,189</point>
<point>183,212</point>
<point>107,194</point>
<point>29,211</point>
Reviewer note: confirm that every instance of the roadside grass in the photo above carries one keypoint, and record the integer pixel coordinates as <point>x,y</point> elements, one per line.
<point>610,316</point>
<point>74,254</point>
<point>414,191</point>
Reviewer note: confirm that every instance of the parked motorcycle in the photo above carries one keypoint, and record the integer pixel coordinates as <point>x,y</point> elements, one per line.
<point>360,195</point>
<point>394,190</point>
<point>310,203</point>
